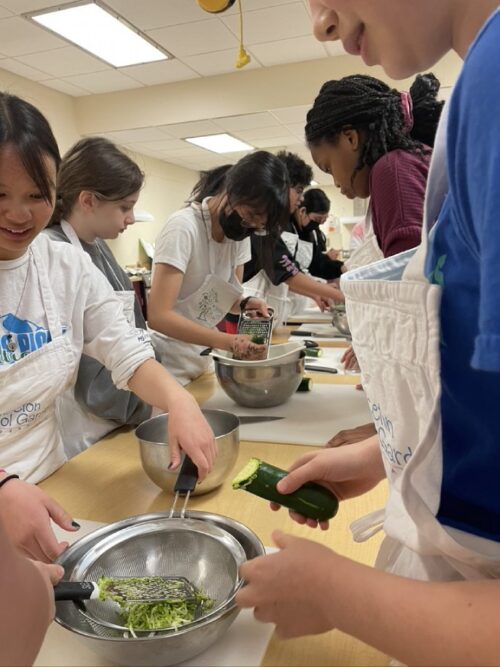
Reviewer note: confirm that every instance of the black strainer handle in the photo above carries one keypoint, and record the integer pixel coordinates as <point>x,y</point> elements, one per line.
<point>187,477</point>
<point>75,590</point>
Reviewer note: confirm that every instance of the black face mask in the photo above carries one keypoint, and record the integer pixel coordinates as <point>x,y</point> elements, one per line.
<point>311,226</point>
<point>232,226</point>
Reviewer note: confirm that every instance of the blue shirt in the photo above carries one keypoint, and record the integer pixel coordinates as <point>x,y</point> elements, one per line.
<point>464,259</point>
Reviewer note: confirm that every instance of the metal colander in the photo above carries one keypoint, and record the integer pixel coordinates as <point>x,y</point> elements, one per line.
<point>206,555</point>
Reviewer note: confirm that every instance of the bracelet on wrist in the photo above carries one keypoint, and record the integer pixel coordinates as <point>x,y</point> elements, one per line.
<point>7,479</point>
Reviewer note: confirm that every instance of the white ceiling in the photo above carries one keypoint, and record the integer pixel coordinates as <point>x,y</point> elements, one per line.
<point>276,32</point>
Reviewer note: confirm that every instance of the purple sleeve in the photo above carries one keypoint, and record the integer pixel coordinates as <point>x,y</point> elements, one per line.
<point>397,187</point>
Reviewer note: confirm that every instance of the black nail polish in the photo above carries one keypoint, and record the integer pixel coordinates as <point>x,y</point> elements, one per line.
<point>75,525</point>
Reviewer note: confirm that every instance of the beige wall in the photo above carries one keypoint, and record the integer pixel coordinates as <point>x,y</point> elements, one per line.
<point>165,189</point>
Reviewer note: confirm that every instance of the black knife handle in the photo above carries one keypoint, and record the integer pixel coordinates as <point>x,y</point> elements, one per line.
<point>74,590</point>
<point>187,477</point>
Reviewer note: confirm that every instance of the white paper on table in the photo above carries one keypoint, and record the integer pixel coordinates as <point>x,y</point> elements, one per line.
<point>243,645</point>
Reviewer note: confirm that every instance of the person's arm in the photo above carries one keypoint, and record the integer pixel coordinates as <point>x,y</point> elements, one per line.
<point>164,293</point>
<point>307,286</point>
<point>26,604</point>
<point>418,623</point>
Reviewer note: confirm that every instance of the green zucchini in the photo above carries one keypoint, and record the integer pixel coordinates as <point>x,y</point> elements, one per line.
<point>305,384</point>
<point>258,340</point>
<point>311,500</point>
<point>313,352</point>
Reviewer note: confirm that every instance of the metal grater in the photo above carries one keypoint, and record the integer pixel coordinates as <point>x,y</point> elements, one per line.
<point>257,326</point>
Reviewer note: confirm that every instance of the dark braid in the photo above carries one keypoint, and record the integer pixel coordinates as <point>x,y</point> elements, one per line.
<point>367,104</point>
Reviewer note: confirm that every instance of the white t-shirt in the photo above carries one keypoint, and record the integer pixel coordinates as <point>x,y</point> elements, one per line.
<point>89,311</point>
<point>185,244</point>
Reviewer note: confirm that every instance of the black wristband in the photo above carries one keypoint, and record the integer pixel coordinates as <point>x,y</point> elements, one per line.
<point>244,302</point>
<point>6,479</point>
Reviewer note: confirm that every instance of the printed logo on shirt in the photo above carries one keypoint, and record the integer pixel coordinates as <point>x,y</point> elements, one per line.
<point>208,310</point>
<point>436,277</point>
<point>27,335</point>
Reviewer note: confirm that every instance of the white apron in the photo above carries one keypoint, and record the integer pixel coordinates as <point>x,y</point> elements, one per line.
<point>79,427</point>
<point>394,320</point>
<point>369,251</point>
<point>30,442</point>
<point>207,306</point>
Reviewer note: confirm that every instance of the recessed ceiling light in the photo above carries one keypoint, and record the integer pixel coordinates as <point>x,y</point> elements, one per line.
<point>313,184</point>
<point>220,143</point>
<point>101,32</point>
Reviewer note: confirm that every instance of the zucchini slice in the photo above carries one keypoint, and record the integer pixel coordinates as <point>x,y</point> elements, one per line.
<point>311,500</point>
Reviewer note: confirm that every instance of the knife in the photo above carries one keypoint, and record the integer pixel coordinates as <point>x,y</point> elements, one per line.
<point>255,419</point>
<point>313,334</point>
<point>320,369</point>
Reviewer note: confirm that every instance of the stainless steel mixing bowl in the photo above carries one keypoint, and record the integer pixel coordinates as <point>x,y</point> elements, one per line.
<point>155,457</point>
<point>162,648</point>
<point>261,385</point>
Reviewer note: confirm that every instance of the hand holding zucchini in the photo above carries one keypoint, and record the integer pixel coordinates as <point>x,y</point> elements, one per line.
<point>311,500</point>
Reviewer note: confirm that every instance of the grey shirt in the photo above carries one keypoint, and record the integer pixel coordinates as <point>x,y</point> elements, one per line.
<point>94,388</point>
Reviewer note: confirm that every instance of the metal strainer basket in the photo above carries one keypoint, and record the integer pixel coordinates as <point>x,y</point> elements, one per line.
<point>206,555</point>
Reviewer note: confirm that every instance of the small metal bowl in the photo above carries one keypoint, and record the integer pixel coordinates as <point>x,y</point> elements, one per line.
<point>261,385</point>
<point>339,320</point>
<point>155,457</point>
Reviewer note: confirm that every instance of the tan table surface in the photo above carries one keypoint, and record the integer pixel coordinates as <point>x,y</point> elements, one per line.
<point>106,483</point>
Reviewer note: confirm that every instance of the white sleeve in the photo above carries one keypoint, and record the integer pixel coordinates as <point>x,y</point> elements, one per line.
<point>244,252</point>
<point>108,337</point>
<point>174,245</point>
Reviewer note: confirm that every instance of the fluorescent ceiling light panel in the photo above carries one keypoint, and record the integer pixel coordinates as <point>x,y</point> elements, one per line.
<point>94,29</point>
<point>220,143</point>
<point>313,184</point>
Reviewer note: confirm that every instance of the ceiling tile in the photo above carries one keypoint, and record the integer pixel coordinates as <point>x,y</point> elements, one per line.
<point>193,38</point>
<point>135,135</point>
<point>19,37</point>
<point>297,129</point>
<point>287,115</point>
<point>159,145</point>
<point>297,49</point>
<point>247,121</point>
<point>194,129</point>
<point>219,62</point>
<point>104,82</point>
<point>272,24</point>
<point>263,133</point>
<point>166,71</point>
<point>68,61</point>
<point>156,14</point>
<point>5,13</point>
<point>274,142</point>
<point>66,87</point>
<point>12,65</point>
<point>252,5</point>
<point>24,6</point>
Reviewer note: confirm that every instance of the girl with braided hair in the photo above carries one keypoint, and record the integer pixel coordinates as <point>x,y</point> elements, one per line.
<point>426,327</point>
<point>376,142</point>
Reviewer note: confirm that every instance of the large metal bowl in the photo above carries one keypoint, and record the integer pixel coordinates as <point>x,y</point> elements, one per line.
<point>261,385</point>
<point>155,456</point>
<point>163,648</point>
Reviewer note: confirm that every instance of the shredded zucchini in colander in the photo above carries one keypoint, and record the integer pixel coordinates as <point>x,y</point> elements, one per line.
<point>156,615</point>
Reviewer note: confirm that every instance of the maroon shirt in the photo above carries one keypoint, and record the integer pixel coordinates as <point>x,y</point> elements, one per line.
<point>397,190</point>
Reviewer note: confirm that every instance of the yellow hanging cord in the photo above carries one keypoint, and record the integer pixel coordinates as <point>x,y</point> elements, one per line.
<point>243,58</point>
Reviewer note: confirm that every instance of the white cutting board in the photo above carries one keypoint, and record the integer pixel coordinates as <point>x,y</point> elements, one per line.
<point>310,418</point>
<point>243,645</point>
<point>312,314</point>
<point>328,333</point>
<point>330,358</point>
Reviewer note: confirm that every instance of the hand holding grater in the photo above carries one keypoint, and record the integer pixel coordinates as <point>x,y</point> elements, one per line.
<point>259,328</point>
